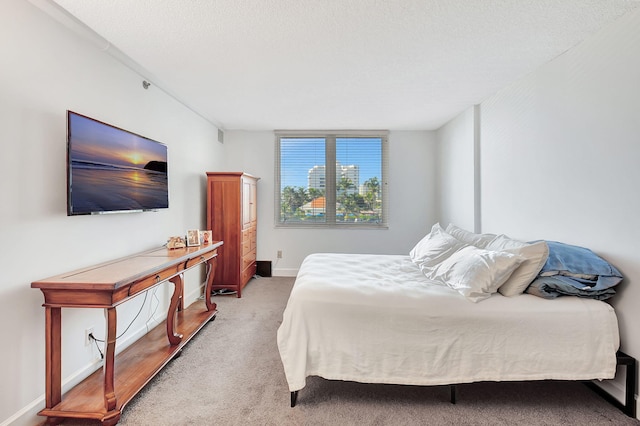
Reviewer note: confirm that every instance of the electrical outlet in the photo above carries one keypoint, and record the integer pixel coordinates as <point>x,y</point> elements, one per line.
<point>279,254</point>
<point>87,333</point>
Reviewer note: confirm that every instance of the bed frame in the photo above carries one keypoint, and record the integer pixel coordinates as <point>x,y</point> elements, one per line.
<point>628,408</point>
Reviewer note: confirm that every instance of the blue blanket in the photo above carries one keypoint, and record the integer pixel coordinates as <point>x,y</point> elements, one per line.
<point>576,271</point>
<point>552,287</point>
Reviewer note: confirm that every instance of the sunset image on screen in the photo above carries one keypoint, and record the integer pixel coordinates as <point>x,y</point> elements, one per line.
<point>114,170</point>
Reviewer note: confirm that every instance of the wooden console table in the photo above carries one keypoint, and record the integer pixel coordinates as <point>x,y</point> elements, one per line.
<point>103,395</point>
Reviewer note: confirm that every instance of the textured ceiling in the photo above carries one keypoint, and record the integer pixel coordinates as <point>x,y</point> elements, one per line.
<point>340,64</point>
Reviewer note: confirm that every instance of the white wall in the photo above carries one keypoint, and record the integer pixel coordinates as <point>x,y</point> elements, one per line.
<point>560,157</point>
<point>412,201</point>
<point>456,171</point>
<point>47,69</point>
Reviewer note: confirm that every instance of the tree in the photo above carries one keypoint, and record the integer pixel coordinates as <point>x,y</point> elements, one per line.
<point>349,201</point>
<point>315,193</point>
<point>372,192</point>
<point>344,185</point>
<point>293,197</point>
<point>352,204</point>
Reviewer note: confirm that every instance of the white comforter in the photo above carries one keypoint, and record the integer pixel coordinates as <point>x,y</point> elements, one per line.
<point>377,319</point>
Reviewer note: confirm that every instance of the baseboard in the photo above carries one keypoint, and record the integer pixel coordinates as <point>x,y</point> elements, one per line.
<point>28,415</point>
<point>285,272</point>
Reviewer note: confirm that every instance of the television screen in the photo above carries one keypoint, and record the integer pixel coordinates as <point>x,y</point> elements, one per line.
<point>113,170</point>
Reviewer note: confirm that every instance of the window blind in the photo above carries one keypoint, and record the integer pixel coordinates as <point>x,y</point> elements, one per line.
<point>331,179</point>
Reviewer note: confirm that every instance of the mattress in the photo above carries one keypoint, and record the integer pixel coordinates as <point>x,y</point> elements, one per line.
<point>377,319</point>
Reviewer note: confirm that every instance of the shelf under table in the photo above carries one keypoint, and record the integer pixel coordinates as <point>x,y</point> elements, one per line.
<point>134,367</point>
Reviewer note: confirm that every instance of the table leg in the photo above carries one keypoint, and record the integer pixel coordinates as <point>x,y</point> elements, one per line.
<point>211,272</point>
<point>109,358</point>
<point>53,362</point>
<point>174,338</point>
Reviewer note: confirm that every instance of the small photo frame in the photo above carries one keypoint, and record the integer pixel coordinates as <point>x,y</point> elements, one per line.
<point>193,237</point>
<point>175,243</point>
<point>206,237</point>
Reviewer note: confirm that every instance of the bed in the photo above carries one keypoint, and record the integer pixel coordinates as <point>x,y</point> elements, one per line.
<point>379,319</point>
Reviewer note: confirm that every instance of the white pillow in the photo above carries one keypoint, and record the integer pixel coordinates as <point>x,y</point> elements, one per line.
<point>535,255</point>
<point>435,247</point>
<point>478,240</point>
<point>474,272</point>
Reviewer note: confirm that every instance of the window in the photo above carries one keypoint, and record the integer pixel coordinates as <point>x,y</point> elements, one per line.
<point>331,179</point>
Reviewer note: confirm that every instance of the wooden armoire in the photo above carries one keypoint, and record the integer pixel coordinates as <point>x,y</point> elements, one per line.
<point>232,217</point>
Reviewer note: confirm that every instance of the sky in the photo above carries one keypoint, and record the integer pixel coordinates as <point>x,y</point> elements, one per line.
<point>298,155</point>
<point>94,141</point>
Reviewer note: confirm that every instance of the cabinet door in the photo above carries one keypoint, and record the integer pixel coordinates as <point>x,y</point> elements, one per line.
<point>253,207</point>
<point>246,203</point>
<point>249,205</point>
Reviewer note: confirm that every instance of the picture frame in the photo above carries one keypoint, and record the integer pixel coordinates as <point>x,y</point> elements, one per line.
<point>206,237</point>
<point>175,243</point>
<point>193,237</point>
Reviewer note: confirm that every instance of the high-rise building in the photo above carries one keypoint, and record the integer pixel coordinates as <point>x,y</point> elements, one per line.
<point>351,172</point>
<point>316,177</point>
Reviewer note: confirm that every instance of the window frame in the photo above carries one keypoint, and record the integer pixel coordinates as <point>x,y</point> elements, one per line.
<point>330,177</point>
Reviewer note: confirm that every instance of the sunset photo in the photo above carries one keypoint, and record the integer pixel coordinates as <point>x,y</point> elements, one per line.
<point>111,169</point>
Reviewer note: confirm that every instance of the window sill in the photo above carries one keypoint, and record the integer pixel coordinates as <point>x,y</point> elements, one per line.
<point>331,226</point>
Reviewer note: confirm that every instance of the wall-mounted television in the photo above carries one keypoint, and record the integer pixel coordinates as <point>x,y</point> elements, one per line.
<point>111,170</point>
